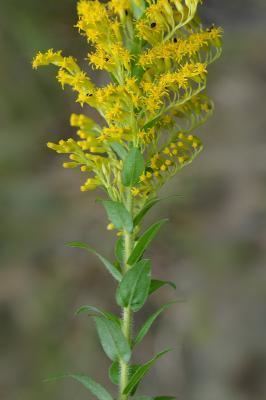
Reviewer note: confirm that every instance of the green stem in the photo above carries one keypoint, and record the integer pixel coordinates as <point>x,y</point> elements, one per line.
<point>126,312</point>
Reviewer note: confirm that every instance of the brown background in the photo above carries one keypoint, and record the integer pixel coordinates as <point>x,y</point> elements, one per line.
<point>213,246</point>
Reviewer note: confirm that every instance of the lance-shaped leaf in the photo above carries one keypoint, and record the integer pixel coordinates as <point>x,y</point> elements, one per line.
<point>112,339</point>
<point>95,388</point>
<point>141,214</point>
<point>134,287</point>
<point>144,241</point>
<point>133,167</point>
<point>141,372</point>
<point>118,215</point>
<point>147,325</point>
<point>114,372</point>
<point>109,266</point>
<point>119,150</point>
<point>95,312</point>
<point>157,284</point>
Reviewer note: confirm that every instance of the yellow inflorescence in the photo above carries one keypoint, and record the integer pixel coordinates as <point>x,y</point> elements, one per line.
<point>156,54</point>
<point>179,49</point>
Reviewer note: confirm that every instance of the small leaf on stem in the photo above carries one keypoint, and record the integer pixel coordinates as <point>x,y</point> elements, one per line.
<point>118,215</point>
<point>157,284</point>
<point>133,167</point>
<point>141,214</point>
<point>112,339</point>
<point>95,388</point>
<point>144,241</point>
<point>109,266</point>
<point>141,372</point>
<point>133,290</point>
<point>95,312</point>
<point>147,325</point>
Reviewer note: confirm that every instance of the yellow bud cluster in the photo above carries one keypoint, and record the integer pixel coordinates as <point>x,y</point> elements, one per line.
<point>81,121</point>
<point>166,162</point>
<point>70,165</point>
<point>90,184</point>
<point>88,162</point>
<point>113,133</point>
<point>64,146</point>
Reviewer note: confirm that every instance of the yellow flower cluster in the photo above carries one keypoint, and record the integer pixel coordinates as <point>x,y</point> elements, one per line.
<point>163,18</point>
<point>179,49</point>
<point>69,73</point>
<point>155,92</point>
<point>156,54</point>
<point>164,164</point>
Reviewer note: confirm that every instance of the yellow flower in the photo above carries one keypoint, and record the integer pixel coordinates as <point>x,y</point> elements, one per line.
<point>50,57</point>
<point>135,191</point>
<point>120,6</point>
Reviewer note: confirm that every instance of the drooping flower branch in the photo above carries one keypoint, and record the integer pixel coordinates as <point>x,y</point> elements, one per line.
<point>156,54</point>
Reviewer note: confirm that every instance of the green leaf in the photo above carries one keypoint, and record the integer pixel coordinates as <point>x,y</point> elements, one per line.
<point>95,388</point>
<point>139,217</point>
<point>114,372</point>
<point>157,284</point>
<point>119,150</point>
<point>144,241</point>
<point>109,266</point>
<point>138,8</point>
<point>133,167</point>
<point>134,287</point>
<point>136,70</point>
<point>146,326</point>
<point>112,339</point>
<point>120,249</point>
<point>118,215</point>
<point>141,372</point>
<point>94,312</point>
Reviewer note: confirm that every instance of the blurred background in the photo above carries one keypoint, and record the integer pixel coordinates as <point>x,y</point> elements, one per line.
<point>213,248</point>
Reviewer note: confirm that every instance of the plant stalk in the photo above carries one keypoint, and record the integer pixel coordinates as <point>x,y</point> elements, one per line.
<point>127,315</point>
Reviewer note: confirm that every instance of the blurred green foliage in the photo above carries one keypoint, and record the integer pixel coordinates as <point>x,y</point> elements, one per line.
<point>214,250</point>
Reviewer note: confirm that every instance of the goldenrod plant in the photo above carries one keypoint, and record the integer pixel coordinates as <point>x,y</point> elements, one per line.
<point>156,54</point>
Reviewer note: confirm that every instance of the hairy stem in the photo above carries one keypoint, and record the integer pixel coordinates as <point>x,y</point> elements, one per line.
<point>127,312</point>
